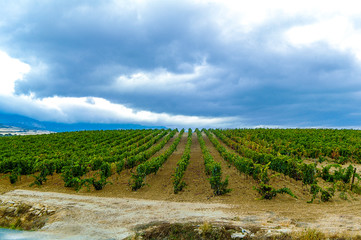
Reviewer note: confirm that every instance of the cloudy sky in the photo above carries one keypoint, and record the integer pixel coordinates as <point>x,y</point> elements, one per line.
<point>200,63</point>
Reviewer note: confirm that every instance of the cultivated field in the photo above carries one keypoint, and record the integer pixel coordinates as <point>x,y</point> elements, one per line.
<point>276,180</point>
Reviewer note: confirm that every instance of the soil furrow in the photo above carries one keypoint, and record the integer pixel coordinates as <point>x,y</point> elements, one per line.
<point>160,185</point>
<point>242,186</point>
<point>198,186</point>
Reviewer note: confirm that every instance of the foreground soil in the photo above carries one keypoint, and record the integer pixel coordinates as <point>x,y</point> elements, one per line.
<point>117,212</point>
<point>87,217</point>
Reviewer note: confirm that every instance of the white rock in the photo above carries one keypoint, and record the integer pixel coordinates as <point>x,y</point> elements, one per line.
<point>238,235</point>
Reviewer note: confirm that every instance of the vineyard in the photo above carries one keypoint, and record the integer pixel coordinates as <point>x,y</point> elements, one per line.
<point>290,164</point>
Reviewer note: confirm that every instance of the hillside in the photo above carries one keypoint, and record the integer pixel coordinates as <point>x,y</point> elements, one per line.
<point>30,124</point>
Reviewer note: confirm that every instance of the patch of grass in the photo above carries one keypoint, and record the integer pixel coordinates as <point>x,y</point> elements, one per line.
<point>356,188</point>
<point>343,195</point>
<point>187,231</point>
<point>282,236</point>
<point>208,231</point>
<point>311,234</point>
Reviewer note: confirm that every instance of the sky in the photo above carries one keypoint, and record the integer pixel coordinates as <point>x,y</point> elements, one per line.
<point>200,63</point>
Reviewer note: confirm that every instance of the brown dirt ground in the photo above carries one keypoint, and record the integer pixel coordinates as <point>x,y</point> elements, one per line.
<point>240,205</point>
<point>198,187</point>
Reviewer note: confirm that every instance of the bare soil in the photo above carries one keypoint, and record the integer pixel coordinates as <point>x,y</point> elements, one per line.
<point>117,212</point>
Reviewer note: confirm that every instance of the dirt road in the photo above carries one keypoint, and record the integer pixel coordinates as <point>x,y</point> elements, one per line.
<point>88,217</point>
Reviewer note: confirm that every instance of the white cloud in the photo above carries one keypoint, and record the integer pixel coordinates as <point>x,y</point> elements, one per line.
<point>11,70</point>
<point>327,21</point>
<point>339,32</point>
<point>161,80</point>
<point>99,110</point>
<point>253,13</point>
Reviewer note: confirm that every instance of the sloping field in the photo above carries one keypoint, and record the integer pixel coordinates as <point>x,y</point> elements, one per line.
<point>222,173</point>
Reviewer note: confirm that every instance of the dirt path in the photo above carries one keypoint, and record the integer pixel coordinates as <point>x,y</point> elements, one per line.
<point>88,217</point>
<point>110,218</point>
<point>198,186</point>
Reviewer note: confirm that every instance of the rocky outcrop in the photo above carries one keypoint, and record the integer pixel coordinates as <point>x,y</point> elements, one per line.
<point>23,216</point>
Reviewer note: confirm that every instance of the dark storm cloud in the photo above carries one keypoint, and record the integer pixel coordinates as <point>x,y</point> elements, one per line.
<point>76,40</point>
<point>119,50</point>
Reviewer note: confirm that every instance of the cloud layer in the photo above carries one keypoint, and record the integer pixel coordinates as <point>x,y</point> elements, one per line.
<point>180,63</point>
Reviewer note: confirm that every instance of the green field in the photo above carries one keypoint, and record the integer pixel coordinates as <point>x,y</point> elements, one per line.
<point>325,161</point>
